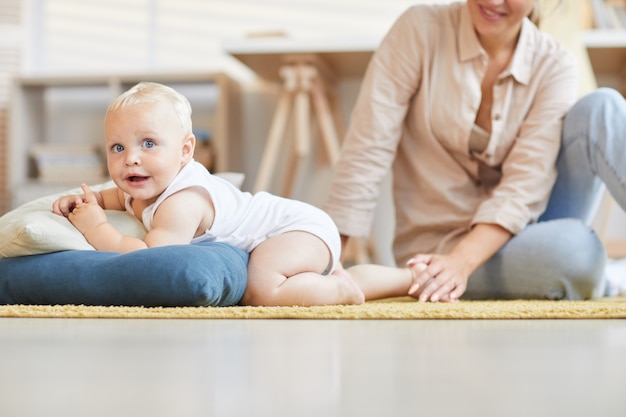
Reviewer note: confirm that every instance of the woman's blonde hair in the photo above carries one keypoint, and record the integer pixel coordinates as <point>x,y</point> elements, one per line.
<point>535,14</point>
<point>150,92</point>
<point>538,10</point>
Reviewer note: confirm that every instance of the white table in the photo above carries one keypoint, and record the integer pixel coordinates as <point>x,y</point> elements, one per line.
<point>307,69</point>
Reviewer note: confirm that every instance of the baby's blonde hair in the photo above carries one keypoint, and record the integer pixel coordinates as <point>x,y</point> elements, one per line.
<point>150,92</point>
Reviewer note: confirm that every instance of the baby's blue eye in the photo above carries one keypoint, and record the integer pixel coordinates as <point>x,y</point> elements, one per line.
<point>149,143</point>
<point>117,148</point>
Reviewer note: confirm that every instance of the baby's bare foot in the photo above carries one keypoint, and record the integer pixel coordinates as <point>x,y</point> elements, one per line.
<point>352,292</point>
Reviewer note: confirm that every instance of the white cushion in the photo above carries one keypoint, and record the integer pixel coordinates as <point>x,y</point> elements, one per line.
<point>33,228</point>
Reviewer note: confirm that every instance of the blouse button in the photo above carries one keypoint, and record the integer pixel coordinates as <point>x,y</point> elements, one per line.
<point>496,117</point>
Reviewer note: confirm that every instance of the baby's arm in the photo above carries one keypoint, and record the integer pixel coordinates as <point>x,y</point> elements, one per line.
<point>181,217</point>
<point>176,221</point>
<point>88,216</point>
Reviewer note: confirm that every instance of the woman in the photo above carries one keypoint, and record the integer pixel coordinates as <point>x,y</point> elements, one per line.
<point>465,102</point>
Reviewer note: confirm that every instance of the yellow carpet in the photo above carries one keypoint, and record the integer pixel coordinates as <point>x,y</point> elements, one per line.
<point>398,308</point>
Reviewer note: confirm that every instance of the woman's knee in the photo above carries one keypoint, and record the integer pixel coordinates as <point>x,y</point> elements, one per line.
<point>557,259</point>
<point>595,102</point>
<point>596,109</point>
<point>576,258</point>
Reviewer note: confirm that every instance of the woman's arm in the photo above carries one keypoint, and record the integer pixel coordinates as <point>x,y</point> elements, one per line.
<point>528,174</point>
<point>392,78</point>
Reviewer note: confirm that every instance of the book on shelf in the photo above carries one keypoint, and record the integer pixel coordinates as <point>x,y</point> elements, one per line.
<point>62,163</point>
<point>609,14</point>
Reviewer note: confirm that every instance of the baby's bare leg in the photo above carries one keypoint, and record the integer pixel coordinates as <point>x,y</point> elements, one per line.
<point>378,281</point>
<point>286,270</point>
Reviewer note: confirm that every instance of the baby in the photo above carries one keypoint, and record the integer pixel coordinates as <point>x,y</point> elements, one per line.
<point>294,247</point>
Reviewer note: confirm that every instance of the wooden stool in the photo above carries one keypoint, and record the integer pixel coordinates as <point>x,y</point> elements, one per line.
<point>304,83</point>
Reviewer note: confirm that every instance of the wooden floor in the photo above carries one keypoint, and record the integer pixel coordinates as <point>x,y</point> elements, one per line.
<point>115,367</point>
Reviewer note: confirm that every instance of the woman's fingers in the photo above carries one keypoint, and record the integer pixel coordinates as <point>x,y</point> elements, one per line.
<point>444,287</point>
<point>416,270</point>
<point>420,271</point>
<point>442,291</point>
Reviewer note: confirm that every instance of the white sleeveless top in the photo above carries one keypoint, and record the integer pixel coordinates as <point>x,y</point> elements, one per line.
<point>245,220</point>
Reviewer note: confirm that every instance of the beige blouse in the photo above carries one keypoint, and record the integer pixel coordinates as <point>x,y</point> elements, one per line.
<point>415,113</point>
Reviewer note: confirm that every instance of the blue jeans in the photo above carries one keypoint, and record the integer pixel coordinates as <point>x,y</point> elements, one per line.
<point>560,257</point>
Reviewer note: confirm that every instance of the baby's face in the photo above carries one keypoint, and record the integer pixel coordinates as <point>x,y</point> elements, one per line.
<point>146,147</point>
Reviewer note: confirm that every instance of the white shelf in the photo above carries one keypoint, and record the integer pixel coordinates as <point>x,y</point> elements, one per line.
<point>604,38</point>
<point>607,53</point>
<point>67,110</point>
<point>345,57</point>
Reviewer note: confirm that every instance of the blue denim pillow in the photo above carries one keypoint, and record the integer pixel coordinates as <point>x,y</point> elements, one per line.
<point>204,274</point>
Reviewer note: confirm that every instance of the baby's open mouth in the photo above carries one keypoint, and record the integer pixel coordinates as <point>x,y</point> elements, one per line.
<point>136,178</point>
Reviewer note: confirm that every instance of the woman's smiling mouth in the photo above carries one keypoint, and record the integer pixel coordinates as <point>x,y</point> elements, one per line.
<point>489,14</point>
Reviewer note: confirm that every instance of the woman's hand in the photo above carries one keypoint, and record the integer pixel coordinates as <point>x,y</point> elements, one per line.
<point>444,277</point>
<point>439,277</point>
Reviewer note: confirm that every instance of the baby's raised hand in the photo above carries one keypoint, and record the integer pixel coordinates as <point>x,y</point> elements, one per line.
<point>66,204</point>
<point>88,196</point>
<point>88,214</point>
